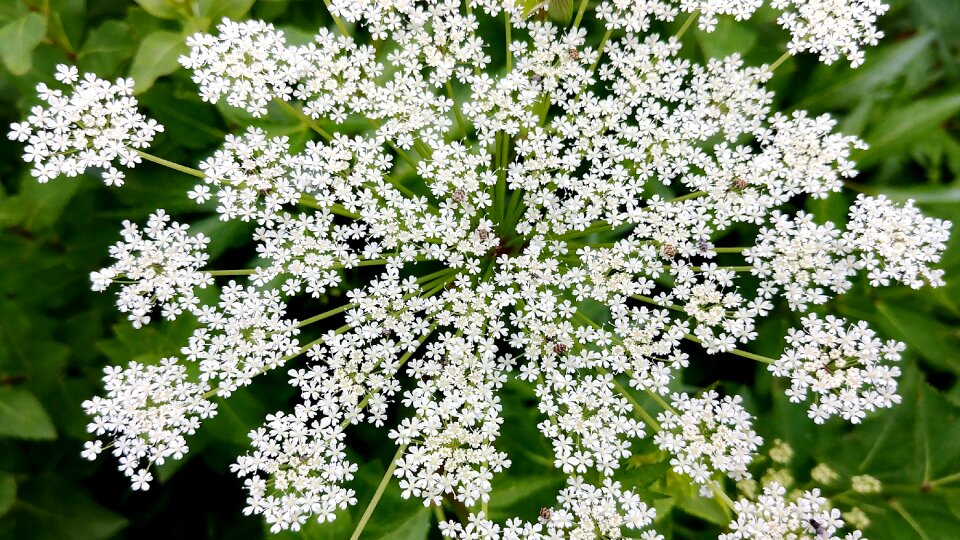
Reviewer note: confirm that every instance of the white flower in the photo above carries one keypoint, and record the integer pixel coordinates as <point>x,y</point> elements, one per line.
<point>896,243</point>
<point>249,63</point>
<point>842,366</point>
<point>708,434</point>
<point>831,28</point>
<point>773,516</point>
<point>800,259</point>
<point>559,223</point>
<point>96,125</point>
<point>159,266</point>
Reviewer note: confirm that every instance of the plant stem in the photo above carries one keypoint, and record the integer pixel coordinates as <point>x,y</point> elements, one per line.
<point>325,315</point>
<point>738,352</point>
<point>507,27</point>
<point>340,26</point>
<point>243,272</point>
<point>171,165</point>
<point>580,12</point>
<point>779,61</point>
<point>303,117</point>
<point>379,493</point>
<point>687,23</point>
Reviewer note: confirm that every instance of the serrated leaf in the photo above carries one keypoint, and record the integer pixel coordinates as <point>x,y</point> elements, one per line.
<point>158,55</point>
<point>19,38</point>
<point>22,416</point>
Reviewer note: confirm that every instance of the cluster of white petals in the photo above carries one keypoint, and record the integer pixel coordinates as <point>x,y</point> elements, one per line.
<point>801,260</point>
<point>247,63</point>
<point>252,176</point>
<point>243,336</point>
<point>148,410</point>
<point>842,366</point>
<point>707,434</point>
<point>584,512</point>
<point>158,266</point>
<point>772,515</point>
<point>831,28</point>
<point>898,242</point>
<point>94,125</point>
<point>558,224</point>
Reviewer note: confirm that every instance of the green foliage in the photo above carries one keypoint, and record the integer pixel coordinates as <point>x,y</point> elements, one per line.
<point>55,335</point>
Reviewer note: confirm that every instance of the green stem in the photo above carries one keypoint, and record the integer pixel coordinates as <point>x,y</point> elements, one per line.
<point>171,165</point>
<point>693,195</point>
<point>377,494</point>
<point>580,12</point>
<point>649,300</point>
<point>303,117</point>
<point>244,272</point>
<point>456,109</point>
<point>438,513</point>
<point>507,27</point>
<point>325,315</point>
<point>738,352</point>
<point>945,480</point>
<point>686,24</point>
<point>730,249</point>
<point>340,26</point>
<point>336,208</point>
<point>779,61</point>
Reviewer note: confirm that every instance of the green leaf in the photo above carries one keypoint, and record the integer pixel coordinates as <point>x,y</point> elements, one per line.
<point>903,127</point>
<point>8,492</point>
<point>67,22</point>
<point>949,194</point>
<point>157,56</point>
<point>922,333</point>
<point>561,11</point>
<point>163,9</point>
<point>847,87</point>
<point>19,38</point>
<point>729,37</point>
<point>191,122</point>
<point>23,417</point>
<point>106,47</point>
<point>414,527</point>
<point>231,9</point>
<point>50,507</point>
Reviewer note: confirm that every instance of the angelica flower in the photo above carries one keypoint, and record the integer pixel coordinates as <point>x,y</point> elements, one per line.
<point>844,367</point>
<point>93,124</point>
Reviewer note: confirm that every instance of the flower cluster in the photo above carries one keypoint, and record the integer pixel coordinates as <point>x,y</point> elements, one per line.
<point>585,511</point>
<point>148,409</point>
<point>157,266</point>
<point>841,366</point>
<point>557,222</point>
<point>248,63</point>
<point>707,434</point>
<point>802,258</point>
<point>899,243</point>
<point>831,28</point>
<point>773,516</point>
<point>95,126</point>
